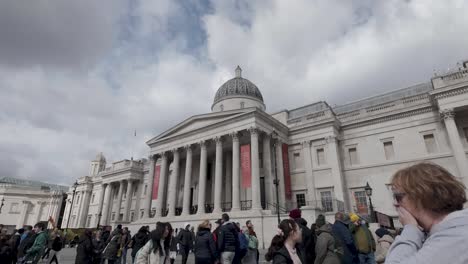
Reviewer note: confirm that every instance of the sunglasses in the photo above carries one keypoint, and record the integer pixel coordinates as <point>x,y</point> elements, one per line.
<point>398,197</point>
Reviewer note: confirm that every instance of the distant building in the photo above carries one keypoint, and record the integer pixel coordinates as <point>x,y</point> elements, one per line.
<point>26,202</point>
<point>228,160</point>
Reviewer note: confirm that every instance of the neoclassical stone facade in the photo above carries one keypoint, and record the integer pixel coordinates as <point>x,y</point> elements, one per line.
<point>320,157</point>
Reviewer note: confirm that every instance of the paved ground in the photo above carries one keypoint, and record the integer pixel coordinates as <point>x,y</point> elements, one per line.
<point>67,256</point>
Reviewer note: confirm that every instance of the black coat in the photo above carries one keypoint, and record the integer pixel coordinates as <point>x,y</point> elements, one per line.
<point>228,239</point>
<point>340,231</point>
<point>139,240</point>
<point>282,256</point>
<point>105,236</point>
<point>84,251</point>
<point>98,247</point>
<point>27,242</point>
<point>185,238</point>
<point>307,246</point>
<point>205,246</point>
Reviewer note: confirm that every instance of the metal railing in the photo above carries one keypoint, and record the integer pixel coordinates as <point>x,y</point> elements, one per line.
<point>226,207</point>
<point>246,205</point>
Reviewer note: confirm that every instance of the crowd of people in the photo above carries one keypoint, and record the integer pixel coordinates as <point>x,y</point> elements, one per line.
<point>428,199</point>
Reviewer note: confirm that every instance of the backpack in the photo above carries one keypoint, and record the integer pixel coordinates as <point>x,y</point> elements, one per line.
<point>243,241</point>
<point>57,244</point>
<point>253,242</point>
<point>338,245</point>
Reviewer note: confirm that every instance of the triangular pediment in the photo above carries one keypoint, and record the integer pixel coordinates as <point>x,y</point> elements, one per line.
<point>200,121</point>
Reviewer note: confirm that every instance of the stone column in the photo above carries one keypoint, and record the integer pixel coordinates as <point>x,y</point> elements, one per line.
<point>187,181</point>
<point>128,201</point>
<point>456,144</point>
<point>161,185</point>
<point>235,173</point>
<point>269,187</point>
<point>336,170</point>
<point>202,179</point>
<point>119,200</point>
<point>24,212</point>
<point>84,208</point>
<point>280,174</point>
<point>173,183</point>
<point>218,176</point>
<point>256,200</point>
<point>58,206</point>
<point>105,200</point>
<point>39,211</point>
<point>228,179</point>
<point>149,190</point>
<point>78,209</point>
<point>101,199</point>
<point>309,174</point>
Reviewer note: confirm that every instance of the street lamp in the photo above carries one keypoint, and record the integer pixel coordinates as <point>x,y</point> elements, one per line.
<point>1,206</point>
<point>99,220</point>
<point>71,205</point>
<point>368,190</point>
<point>276,182</point>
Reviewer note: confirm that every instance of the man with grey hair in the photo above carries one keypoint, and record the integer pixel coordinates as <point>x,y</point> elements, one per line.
<point>340,231</point>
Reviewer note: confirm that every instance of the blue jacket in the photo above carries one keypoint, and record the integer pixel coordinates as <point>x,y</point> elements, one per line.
<point>340,231</point>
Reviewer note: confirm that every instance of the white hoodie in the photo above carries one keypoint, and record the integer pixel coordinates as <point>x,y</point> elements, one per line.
<point>446,243</point>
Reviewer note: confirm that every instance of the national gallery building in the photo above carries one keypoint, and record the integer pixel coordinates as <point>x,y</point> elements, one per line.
<point>242,160</point>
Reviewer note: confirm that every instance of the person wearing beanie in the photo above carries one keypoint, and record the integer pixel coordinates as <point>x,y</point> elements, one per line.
<point>384,242</point>
<point>307,246</point>
<point>341,231</point>
<point>365,242</point>
<point>326,248</point>
<point>185,240</point>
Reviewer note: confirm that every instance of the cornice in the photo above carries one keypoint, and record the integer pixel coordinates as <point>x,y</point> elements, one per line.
<point>450,93</point>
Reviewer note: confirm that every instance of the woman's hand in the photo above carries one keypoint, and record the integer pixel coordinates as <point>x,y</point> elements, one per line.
<point>406,218</point>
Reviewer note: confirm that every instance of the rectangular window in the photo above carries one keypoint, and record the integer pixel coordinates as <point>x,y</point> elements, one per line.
<point>142,213</point>
<point>132,216</point>
<point>88,221</point>
<point>465,131</point>
<point>260,158</point>
<point>146,188</point>
<point>92,199</point>
<point>320,156</point>
<point>429,140</point>
<point>77,200</point>
<point>327,201</point>
<point>353,158</point>
<point>389,151</point>
<point>113,217</point>
<point>361,202</point>
<point>300,199</point>
<point>135,190</point>
<point>297,161</point>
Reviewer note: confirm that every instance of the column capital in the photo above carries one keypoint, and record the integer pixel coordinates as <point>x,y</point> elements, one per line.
<point>202,143</point>
<point>218,140</point>
<point>163,155</point>
<point>330,139</point>
<point>306,143</point>
<point>175,150</point>
<point>27,202</point>
<point>234,135</point>
<point>254,130</point>
<point>188,148</point>
<point>447,114</point>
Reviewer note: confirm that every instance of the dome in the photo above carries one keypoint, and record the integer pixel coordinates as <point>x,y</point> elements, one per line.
<point>100,157</point>
<point>238,86</point>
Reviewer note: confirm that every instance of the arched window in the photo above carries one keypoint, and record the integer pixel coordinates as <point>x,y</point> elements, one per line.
<point>221,107</point>
<point>242,105</point>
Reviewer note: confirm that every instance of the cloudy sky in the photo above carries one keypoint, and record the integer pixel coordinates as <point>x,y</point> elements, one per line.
<point>78,77</point>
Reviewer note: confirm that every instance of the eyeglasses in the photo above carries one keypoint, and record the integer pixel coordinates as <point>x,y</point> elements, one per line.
<point>398,197</point>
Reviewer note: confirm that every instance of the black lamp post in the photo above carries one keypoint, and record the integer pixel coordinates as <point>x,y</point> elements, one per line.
<point>1,206</point>
<point>368,190</point>
<point>71,205</point>
<point>276,182</point>
<point>99,220</point>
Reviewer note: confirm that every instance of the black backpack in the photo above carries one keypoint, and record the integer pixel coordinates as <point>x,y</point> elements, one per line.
<point>57,244</point>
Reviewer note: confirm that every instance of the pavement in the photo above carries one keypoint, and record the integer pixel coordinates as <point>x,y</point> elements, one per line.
<point>67,256</point>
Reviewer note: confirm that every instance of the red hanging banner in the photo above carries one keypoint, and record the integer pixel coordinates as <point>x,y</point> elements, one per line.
<point>245,166</point>
<point>157,172</point>
<point>287,174</point>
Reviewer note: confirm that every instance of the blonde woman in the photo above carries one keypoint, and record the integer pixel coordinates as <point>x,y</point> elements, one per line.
<point>205,247</point>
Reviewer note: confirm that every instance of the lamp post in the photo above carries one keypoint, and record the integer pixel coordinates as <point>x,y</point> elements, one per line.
<point>368,190</point>
<point>276,182</point>
<point>71,205</point>
<point>99,220</point>
<point>1,206</point>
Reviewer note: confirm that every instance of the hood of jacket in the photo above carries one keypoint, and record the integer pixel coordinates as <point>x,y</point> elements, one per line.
<point>203,232</point>
<point>455,219</point>
<point>301,221</point>
<point>327,228</point>
<point>386,238</point>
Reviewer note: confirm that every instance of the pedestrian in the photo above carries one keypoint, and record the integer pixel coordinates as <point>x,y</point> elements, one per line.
<point>36,251</point>
<point>205,246</point>
<point>84,250</point>
<point>139,240</point>
<point>250,226</point>
<point>56,246</point>
<point>326,249</point>
<point>252,246</point>
<point>167,242</point>
<point>384,242</point>
<point>15,242</point>
<point>126,238</point>
<point>106,234</point>
<point>173,246</point>
<point>6,251</point>
<point>429,201</point>
<point>153,251</point>
<point>307,246</point>
<point>228,240</point>
<point>185,241</point>
<point>364,240</point>
<point>98,247</point>
<point>216,231</point>
<point>283,248</point>
<point>342,233</point>
<point>27,240</point>
<point>243,247</point>
<point>111,251</point>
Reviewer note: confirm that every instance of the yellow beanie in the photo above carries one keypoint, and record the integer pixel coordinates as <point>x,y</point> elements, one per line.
<point>353,217</point>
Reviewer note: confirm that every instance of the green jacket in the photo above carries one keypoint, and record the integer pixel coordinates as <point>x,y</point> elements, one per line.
<point>364,240</point>
<point>35,252</point>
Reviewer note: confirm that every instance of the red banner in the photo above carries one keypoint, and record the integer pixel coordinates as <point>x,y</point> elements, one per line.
<point>245,166</point>
<point>287,174</point>
<point>157,172</point>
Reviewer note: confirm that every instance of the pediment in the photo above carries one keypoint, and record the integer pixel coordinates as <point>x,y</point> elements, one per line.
<point>199,121</point>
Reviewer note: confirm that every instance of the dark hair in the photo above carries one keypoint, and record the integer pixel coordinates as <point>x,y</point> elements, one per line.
<point>21,231</point>
<point>156,236</point>
<point>248,222</point>
<point>286,226</point>
<point>142,229</point>
<point>27,228</point>
<point>225,217</point>
<point>167,240</point>
<point>119,226</point>
<point>40,225</point>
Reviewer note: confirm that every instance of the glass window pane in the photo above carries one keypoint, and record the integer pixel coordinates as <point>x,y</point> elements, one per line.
<point>320,156</point>
<point>429,140</point>
<point>327,202</point>
<point>353,156</point>
<point>389,151</point>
